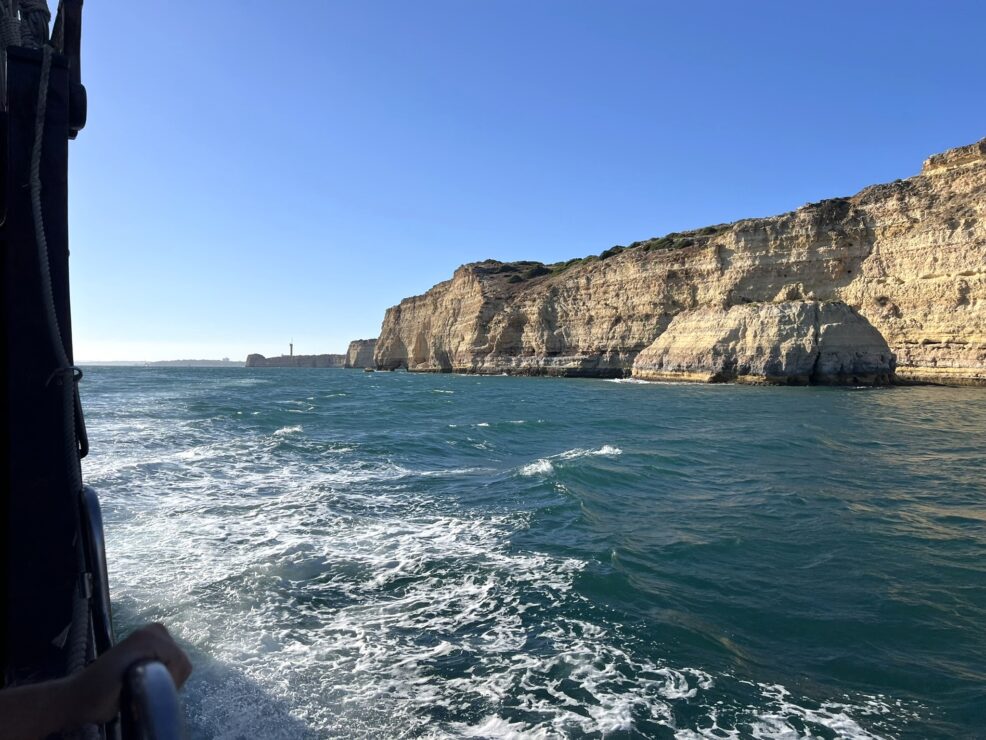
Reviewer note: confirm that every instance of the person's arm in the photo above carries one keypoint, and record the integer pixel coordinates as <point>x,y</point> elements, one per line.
<point>36,710</point>
<point>90,696</point>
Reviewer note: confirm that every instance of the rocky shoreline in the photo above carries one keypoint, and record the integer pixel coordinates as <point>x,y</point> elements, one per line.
<point>888,285</point>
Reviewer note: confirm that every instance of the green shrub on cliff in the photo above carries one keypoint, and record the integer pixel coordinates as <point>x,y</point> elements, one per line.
<point>665,242</point>
<point>612,252</point>
<point>674,240</point>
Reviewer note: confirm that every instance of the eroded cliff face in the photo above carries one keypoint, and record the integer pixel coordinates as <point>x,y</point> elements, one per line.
<point>360,353</point>
<point>909,257</point>
<point>789,342</point>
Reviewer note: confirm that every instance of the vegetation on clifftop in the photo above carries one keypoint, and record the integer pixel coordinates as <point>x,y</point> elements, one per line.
<point>674,240</point>
<point>524,270</point>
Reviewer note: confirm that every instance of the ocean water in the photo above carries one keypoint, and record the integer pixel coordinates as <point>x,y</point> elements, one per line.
<point>389,555</point>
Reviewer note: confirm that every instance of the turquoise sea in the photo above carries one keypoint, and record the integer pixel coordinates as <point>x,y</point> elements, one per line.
<point>387,555</point>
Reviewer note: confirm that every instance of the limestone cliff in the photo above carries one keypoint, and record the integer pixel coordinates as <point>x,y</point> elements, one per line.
<point>792,342</point>
<point>908,257</point>
<point>360,353</point>
<point>296,361</point>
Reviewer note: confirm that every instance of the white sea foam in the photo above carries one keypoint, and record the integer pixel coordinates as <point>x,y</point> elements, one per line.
<point>450,472</point>
<point>638,381</point>
<point>604,451</point>
<point>544,466</point>
<point>248,382</point>
<point>538,467</point>
<point>284,431</point>
<point>339,598</point>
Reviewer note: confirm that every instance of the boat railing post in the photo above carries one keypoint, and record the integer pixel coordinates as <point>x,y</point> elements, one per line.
<point>149,706</point>
<point>95,551</point>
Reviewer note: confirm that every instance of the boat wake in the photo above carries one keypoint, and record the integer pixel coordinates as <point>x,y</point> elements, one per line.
<point>338,591</point>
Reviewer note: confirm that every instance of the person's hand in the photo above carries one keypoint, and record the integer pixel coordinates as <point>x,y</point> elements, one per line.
<point>95,691</point>
<point>37,710</point>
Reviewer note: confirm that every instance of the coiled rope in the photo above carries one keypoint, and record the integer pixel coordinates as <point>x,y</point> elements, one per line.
<point>10,27</point>
<point>22,23</point>
<point>35,18</point>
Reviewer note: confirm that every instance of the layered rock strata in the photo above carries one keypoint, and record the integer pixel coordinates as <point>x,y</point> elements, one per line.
<point>909,257</point>
<point>296,361</point>
<point>360,353</point>
<point>791,342</point>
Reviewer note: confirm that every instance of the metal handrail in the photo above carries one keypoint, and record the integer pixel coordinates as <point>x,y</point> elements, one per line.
<point>149,705</point>
<point>95,549</point>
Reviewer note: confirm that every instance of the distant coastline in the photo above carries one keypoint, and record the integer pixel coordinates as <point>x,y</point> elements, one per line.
<point>164,363</point>
<point>358,355</point>
<point>327,360</point>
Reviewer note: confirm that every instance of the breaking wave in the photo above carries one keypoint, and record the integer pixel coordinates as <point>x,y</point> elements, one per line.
<point>545,465</point>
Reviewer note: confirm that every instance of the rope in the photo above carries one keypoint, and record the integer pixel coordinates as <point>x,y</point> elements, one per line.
<point>64,366</point>
<point>78,644</point>
<point>10,28</point>
<point>35,18</point>
<point>54,330</point>
<point>10,35</point>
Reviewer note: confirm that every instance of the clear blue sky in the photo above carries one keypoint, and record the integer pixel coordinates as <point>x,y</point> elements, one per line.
<point>254,172</point>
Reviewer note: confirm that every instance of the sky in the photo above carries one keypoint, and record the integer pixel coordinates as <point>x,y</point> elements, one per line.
<point>254,173</point>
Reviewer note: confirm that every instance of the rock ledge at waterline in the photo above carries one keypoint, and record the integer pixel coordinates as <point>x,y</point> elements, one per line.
<point>894,277</point>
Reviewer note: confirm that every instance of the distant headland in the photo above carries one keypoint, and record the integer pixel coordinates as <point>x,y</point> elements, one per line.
<point>359,355</point>
<point>256,360</point>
